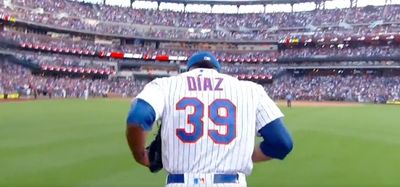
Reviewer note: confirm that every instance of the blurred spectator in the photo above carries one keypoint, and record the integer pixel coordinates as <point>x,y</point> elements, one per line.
<point>359,88</point>
<point>146,23</point>
<point>15,78</point>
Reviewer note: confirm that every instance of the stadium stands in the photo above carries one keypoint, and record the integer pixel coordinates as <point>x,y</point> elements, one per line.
<point>44,43</point>
<point>181,25</point>
<point>78,46</point>
<point>359,88</point>
<point>15,78</point>
<point>351,88</point>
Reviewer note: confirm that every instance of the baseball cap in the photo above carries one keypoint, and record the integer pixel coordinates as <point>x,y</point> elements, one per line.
<point>203,56</point>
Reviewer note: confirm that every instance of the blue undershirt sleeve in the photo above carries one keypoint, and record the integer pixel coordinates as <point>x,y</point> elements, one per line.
<point>277,140</point>
<point>141,114</point>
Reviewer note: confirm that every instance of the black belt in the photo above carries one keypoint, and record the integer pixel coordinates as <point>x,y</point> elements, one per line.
<point>218,178</point>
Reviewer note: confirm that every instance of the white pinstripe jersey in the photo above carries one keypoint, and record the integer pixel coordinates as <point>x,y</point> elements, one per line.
<point>209,120</point>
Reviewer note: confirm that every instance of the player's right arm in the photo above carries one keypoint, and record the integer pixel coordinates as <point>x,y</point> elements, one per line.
<point>146,109</point>
<point>277,142</point>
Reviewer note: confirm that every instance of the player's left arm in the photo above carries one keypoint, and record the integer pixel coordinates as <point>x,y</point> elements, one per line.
<point>145,110</point>
<point>277,142</point>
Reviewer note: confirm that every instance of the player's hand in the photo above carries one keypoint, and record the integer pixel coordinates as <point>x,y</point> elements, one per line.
<point>258,155</point>
<point>144,160</point>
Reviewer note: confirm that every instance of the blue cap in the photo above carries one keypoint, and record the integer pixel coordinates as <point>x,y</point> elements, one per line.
<point>203,56</point>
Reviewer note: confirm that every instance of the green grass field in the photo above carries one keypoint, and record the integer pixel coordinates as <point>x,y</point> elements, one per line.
<point>82,143</point>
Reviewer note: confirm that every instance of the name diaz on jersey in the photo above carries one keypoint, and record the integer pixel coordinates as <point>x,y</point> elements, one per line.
<point>204,84</point>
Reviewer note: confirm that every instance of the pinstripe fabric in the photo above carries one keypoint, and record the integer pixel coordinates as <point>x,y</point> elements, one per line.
<point>254,109</point>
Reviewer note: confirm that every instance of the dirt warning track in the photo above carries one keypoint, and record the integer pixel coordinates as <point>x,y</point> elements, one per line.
<point>319,104</point>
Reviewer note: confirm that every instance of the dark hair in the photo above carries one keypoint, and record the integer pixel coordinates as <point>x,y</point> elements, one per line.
<point>203,64</point>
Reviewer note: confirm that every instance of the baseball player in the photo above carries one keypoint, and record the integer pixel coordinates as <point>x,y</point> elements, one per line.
<point>86,93</point>
<point>289,99</point>
<point>209,124</point>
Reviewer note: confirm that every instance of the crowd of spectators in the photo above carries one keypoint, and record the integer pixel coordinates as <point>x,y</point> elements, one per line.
<point>58,60</point>
<point>247,69</point>
<point>15,78</point>
<point>127,22</point>
<point>361,51</point>
<point>228,56</point>
<point>331,65</point>
<point>207,20</point>
<point>108,13</point>
<point>68,43</point>
<point>356,88</point>
<point>62,42</point>
<point>175,25</point>
<point>63,60</point>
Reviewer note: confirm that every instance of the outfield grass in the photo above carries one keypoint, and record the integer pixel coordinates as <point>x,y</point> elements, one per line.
<point>82,143</point>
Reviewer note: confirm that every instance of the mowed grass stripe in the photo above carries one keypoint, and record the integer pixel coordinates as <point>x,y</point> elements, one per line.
<point>71,144</point>
<point>81,121</point>
<point>336,146</point>
<point>46,145</point>
<point>331,160</point>
<point>369,122</point>
<point>73,173</point>
<point>63,153</point>
<point>81,143</point>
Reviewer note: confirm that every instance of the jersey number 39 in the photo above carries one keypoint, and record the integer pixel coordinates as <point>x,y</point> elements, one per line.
<point>195,119</point>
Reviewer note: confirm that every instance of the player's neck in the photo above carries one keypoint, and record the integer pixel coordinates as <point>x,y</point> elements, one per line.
<point>203,69</point>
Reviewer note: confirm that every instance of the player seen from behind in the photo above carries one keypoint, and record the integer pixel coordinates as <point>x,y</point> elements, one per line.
<point>209,124</point>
